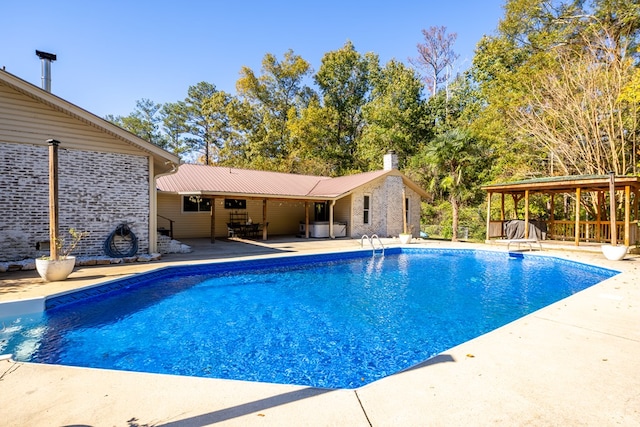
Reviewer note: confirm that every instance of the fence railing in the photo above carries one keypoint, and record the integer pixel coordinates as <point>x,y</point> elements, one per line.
<point>588,231</point>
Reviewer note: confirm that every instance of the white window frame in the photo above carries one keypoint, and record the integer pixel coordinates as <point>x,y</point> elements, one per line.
<point>200,203</point>
<point>366,210</point>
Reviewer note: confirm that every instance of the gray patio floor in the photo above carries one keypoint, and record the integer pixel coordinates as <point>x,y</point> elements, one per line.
<point>572,363</point>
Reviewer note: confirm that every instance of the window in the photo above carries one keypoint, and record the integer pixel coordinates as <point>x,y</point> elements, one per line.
<point>196,204</point>
<point>321,211</point>
<point>366,209</point>
<point>406,211</point>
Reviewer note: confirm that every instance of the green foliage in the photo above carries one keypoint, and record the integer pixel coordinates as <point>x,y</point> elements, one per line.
<point>437,221</point>
<point>394,116</point>
<point>271,99</point>
<point>202,135</point>
<point>174,121</point>
<point>344,79</point>
<point>143,122</point>
<point>551,77</point>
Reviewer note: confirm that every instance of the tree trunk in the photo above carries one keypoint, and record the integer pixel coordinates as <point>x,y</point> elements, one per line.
<point>455,208</point>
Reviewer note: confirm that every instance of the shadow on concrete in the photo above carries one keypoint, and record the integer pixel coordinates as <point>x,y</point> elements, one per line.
<point>246,408</point>
<point>441,358</point>
<point>204,249</point>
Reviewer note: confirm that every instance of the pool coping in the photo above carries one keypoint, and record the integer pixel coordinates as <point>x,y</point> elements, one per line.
<point>571,362</point>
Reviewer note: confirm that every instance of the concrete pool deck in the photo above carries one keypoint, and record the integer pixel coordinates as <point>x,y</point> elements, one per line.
<point>575,362</point>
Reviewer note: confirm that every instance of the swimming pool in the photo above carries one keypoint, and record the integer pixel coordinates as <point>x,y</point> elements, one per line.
<point>337,321</point>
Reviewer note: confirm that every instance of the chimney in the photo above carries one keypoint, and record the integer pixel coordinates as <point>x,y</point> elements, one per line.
<point>390,160</point>
<point>46,68</point>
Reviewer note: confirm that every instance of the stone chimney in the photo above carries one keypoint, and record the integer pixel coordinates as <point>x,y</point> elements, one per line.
<point>390,160</point>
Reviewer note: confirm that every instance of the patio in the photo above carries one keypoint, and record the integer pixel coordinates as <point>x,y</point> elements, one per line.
<point>572,363</point>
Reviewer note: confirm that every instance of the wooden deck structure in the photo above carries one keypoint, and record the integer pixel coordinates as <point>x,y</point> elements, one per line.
<point>596,229</point>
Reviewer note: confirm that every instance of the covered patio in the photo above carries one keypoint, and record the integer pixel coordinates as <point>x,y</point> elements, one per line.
<point>576,208</point>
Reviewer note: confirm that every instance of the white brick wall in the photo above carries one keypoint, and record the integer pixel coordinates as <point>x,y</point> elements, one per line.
<point>97,191</point>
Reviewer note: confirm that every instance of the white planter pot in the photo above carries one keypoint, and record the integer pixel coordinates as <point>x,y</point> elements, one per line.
<point>614,253</point>
<point>53,271</point>
<point>405,238</point>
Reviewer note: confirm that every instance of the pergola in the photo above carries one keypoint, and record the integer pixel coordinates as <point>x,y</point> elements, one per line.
<point>597,229</point>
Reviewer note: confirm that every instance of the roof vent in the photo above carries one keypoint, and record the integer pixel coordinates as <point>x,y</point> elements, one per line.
<point>46,58</point>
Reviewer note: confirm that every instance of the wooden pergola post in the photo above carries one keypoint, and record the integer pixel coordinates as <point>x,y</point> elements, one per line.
<point>577,219</point>
<point>488,214</point>
<point>627,215</point>
<point>599,216</point>
<point>552,214</point>
<point>526,214</point>
<point>612,208</point>
<point>53,198</point>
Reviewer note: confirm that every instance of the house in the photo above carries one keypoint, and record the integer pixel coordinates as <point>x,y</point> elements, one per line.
<point>206,201</point>
<point>107,175</point>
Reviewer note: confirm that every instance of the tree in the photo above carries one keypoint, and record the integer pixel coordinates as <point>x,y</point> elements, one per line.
<point>276,95</point>
<point>345,86</point>
<point>552,79</point>
<point>174,124</point>
<point>436,56</point>
<point>394,116</point>
<point>144,122</point>
<point>575,113</point>
<point>451,164</point>
<point>313,151</point>
<point>201,126</point>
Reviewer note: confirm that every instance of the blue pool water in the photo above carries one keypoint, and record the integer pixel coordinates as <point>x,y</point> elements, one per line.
<point>338,321</point>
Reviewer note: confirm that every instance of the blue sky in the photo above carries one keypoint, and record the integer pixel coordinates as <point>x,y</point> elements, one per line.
<point>112,53</point>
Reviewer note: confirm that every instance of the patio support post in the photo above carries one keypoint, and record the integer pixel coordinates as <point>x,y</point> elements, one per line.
<point>213,220</point>
<point>526,214</point>
<point>488,214</point>
<point>331,233</point>
<point>306,219</point>
<point>264,219</point>
<point>577,214</point>
<point>627,215</point>
<point>53,198</point>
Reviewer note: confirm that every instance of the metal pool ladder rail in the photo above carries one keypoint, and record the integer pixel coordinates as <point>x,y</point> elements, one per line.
<point>372,240</point>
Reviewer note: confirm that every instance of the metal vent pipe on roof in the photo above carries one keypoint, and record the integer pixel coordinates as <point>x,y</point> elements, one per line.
<point>46,59</point>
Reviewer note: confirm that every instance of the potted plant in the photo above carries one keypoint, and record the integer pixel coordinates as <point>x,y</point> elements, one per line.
<point>56,268</point>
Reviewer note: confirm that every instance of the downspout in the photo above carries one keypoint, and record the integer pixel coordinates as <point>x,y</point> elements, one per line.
<point>153,204</point>
<point>331,234</point>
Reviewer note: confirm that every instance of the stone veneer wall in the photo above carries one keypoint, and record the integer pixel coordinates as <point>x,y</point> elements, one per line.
<point>97,191</point>
<point>385,209</point>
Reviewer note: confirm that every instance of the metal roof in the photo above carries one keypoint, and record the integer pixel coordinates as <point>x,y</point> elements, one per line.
<point>225,181</point>
<point>563,184</point>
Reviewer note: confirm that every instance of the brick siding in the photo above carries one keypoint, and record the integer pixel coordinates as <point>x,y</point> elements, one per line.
<point>97,191</point>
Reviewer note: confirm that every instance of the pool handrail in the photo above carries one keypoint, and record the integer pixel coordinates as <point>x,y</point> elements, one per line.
<point>371,242</point>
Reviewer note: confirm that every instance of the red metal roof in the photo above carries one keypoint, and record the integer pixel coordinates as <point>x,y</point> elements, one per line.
<point>215,180</point>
